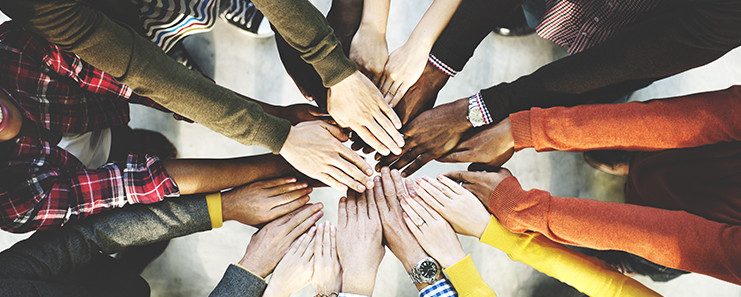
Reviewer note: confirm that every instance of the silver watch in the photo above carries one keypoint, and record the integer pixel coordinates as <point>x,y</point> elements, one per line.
<point>475,115</point>
<point>426,271</point>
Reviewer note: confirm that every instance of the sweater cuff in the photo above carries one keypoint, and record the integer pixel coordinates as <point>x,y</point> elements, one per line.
<point>335,67</point>
<point>273,132</point>
<point>245,269</point>
<point>521,132</point>
<point>466,279</point>
<point>519,210</point>
<point>214,209</point>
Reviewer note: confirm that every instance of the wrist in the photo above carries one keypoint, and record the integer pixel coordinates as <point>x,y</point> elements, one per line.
<point>274,291</point>
<point>411,257</point>
<point>250,263</point>
<point>460,115</point>
<point>449,259</point>
<point>358,283</point>
<point>373,27</point>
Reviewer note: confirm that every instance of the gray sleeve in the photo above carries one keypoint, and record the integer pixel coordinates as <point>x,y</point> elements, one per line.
<point>239,282</point>
<point>49,255</point>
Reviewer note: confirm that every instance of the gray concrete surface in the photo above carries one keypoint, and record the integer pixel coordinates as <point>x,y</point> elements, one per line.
<point>192,265</point>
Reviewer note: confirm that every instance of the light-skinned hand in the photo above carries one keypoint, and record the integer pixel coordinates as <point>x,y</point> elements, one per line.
<point>432,231</point>
<point>357,104</point>
<point>403,69</point>
<point>327,271</point>
<point>359,245</point>
<point>431,135</point>
<point>369,50</point>
<point>315,148</point>
<point>480,183</point>
<point>493,146</point>
<point>454,203</point>
<point>294,271</point>
<point>400,240</point>
<point>263,201</point>
<point>271,242</point>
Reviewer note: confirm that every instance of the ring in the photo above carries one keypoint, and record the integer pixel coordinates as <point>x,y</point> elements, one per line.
<point>460,183</point>
<point>420,225</point>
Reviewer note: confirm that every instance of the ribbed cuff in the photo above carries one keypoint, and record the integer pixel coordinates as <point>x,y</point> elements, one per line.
<point>214,209</point>
<point>442,66</point>
<point>334,67</point>
<point>466,279</point>
<point>521,132</point>
<point>245,269</point>
<point>272,133</point>
<point>519,210</point>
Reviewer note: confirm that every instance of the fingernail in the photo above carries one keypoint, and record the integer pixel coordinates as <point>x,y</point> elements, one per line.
<point>397,151</point>
<point>402,142</point>
<point>303,185</point>
<point>384,152</point>
<point>377,179</point>
<point>385,170</point>
<point>293,179</point>
<point>318,205</point>
<point>369,172</point>
<point>313,229</point>
<point>360,188</point>
<point>403,174</point>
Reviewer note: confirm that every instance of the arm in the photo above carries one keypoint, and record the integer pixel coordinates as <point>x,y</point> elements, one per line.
<point>407,63</point>
<point>688,35</point>
<point>368,48</point>
<point>680,122</point>
<point>49,256</point>
<point>697,244</point>
<point>136,62</point>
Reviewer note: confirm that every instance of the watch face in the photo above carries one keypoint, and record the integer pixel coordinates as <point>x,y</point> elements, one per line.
<point>475,116</point>
<point>428,269</point>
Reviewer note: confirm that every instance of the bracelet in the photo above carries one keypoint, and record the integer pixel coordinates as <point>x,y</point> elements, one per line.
<point>333,294</point>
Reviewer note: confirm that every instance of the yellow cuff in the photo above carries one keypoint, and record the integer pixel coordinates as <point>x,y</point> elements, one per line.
<point>214,209</point>
<point>245,269</point>
<point>467,280</point>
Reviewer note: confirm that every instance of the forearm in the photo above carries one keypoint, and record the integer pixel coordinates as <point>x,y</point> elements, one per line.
<point>681,122</point>
<point>586,274</point>
<point>375,16</point>
<point>433,23</point>
<point>50,255</point>
<point>675,239</point>
<point>138,63</point>
<point>671,42</point>
<point>210,175</point>
<point>306,30</point>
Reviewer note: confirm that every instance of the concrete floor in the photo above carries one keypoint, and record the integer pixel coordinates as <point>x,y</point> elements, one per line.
<point>192,265</point>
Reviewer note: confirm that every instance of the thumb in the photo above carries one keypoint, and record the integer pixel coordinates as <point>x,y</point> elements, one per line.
<point>462,176</point>
<point>454,157</point>
<point>336,132</point>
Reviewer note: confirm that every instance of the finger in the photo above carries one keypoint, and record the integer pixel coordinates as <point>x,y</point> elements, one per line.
<point>372,141</point>
<point>386,84</point>
<point>398,183</point>
<point>411,212</point>
<point>418,163</point>
<point>427,196</point>
<point>363,203</point>
<point>392,91</point>
<point>463,176</point>
<point>307,241</point>
<point>295,218</point>
<point>399,94</point>
<point>356,159</point>
<point>383,134</point>
<point>450,185</point>
<point>294,247</point>
<point>326,243</point>
<point>372,206</point>
<point>290,196</point>
<point>282,209</point>
<point>333,238</point>
<point>332,182</point>
<point>412,226</point>
<point>305,225</point>
<point>416,205</point>
<point>437,189</point>
<point>459,157</point>
<point>342,212</point>
<point>345,179</point>
<point>378,194</point>
<point>318,249</point>
<point>391,115</point>
<point>353,171</point>
<point>266,184</point>
<point>407,158</point>
<point>383,119</point>
<point>352,207</point>
<point>287,188</point>
<point>410,188</point>
<point>389,190</point>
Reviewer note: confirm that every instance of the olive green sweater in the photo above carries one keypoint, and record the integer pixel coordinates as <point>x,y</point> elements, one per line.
<point>96,31</point>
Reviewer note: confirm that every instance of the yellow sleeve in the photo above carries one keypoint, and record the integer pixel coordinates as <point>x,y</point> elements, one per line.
<point>245,269</point>
<point>466,279</point>
<point>214,209</point>
<point>587,274</point>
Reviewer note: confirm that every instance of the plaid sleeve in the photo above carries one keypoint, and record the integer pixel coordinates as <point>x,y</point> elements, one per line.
<point>441,288</point>
<point>49,197</point>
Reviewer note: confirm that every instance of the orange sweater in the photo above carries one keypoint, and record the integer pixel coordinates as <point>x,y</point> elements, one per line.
<point>672,238</point>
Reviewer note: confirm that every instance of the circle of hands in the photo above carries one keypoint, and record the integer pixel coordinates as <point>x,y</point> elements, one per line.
<point>414,218</point>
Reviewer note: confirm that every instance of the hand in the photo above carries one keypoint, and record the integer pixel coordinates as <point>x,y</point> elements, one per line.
<point>494,146</point>
<point>270,244</point>
<point>403,69</point>
<point>316,149</point>
<point>369,50</point>
<point>432,134</point>
<point>432,232</point>
<point>400,240</point>
<point>327,271</point>
<point>422,94</point>
<point>294,271</point>
<point>357,104</point>
<point>454,203</point>
<point>481,184</point>
<point>359,242</point>
<point>302,112</point>
<point>263,201</point>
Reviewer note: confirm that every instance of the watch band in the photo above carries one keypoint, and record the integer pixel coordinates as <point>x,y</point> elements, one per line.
<point>478,114</point>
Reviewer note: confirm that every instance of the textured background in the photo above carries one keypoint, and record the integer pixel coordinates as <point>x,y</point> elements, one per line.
<point>192,265</point>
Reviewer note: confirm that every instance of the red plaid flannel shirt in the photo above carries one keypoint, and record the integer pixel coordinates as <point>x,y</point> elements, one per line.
<point>41,185</point>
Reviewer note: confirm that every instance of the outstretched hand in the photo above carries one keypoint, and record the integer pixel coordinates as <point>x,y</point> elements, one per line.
<point>327,277</point>
<point>480,183</point>
<point>454,203</point>
<point>315,148</point>
<point>403,69</point>
<point>370,51</point>
<point>493,145</point>
<point>357,104</point>
<point>359,245</point>
<point>263,201</point>
<point>294,271</point>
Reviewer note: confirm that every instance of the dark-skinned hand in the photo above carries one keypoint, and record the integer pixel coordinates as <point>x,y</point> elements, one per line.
<point>480,183</point>
<point>491,145</point>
